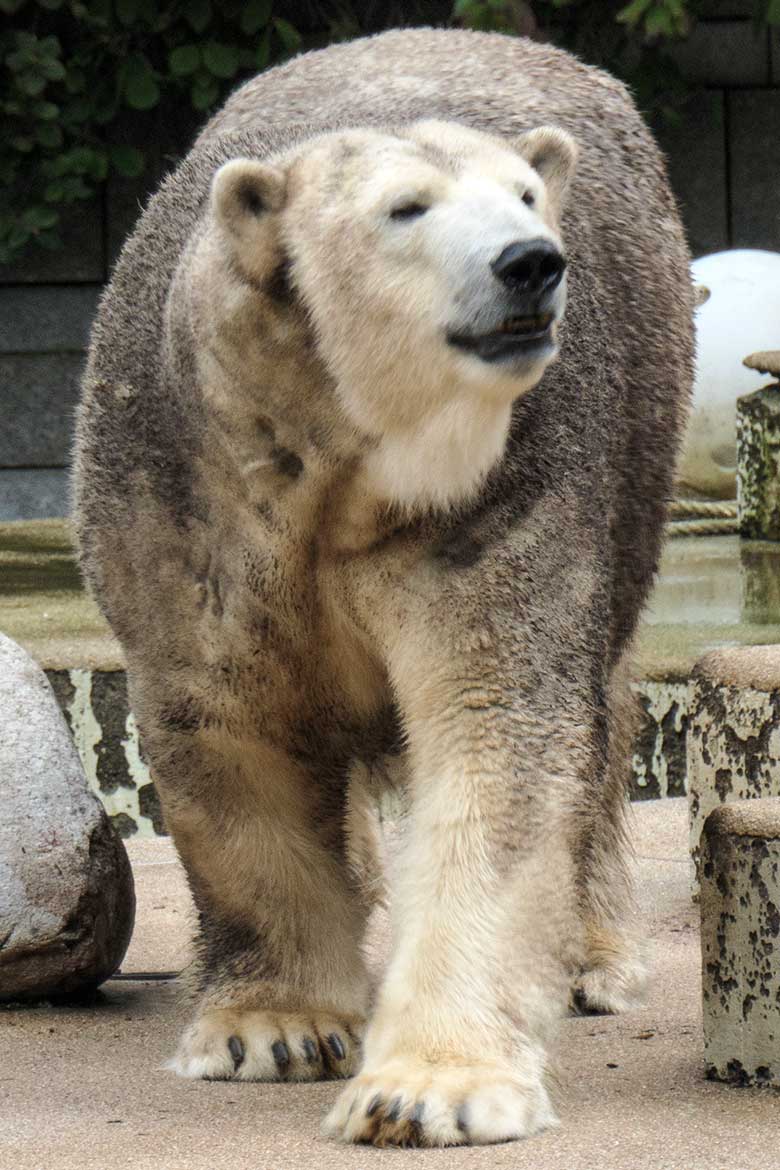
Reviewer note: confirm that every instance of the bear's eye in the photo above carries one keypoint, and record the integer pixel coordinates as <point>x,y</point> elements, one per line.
<point>410,210</point>
<point>528,198</point>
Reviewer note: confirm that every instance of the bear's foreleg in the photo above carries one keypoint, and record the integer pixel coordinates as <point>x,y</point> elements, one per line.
<point>282,989</point>
<point>484,906</point>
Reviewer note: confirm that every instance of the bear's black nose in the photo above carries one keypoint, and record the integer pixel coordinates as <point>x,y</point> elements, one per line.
<point>531,266</point>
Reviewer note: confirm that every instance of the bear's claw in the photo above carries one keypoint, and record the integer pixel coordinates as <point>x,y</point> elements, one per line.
<point>259,1045</point>
<point>425,1105</point>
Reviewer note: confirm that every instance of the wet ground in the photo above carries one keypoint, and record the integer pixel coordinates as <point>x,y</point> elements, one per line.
<point>712,591</point>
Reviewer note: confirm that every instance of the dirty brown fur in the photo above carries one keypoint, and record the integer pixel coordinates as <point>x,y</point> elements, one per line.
<point>288,627</point>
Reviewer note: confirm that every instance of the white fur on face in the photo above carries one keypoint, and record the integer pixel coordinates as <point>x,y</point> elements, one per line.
<point>384,292</point>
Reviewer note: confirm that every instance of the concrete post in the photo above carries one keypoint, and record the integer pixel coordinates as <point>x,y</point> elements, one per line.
<point>740,942</point>
<point>733,740</point>
<point>758,464</point>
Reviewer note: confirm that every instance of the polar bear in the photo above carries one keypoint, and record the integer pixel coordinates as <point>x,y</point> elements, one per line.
<point>363,498</point>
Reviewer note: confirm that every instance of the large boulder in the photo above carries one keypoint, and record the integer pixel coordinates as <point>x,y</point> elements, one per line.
<point>67,901</point>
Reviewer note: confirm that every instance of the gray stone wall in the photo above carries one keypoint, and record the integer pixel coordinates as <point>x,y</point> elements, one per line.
<point>43,334</point>
<point>47,302</point>
<point>724,163</point>
<point>723,156</point>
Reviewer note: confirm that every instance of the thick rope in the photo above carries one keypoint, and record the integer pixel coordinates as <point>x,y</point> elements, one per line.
<point>696,509</point>
<point>701,527</point>
<point>702,517</point>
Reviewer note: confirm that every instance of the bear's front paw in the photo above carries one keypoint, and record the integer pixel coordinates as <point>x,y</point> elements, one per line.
<point>414,1103</point>
<point>265,1045</point>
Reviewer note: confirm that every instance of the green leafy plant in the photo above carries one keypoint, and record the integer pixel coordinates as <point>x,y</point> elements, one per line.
<point>631,39</point>
<point>70,69</point>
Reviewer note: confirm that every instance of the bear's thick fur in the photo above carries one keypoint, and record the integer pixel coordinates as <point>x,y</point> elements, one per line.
<point>350,520</point>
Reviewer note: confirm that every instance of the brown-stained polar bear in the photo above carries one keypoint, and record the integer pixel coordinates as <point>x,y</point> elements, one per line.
<point>360,501</point>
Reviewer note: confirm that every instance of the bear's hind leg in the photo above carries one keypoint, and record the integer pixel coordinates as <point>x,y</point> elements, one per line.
<point>614,973</point>
<point>281,985</point>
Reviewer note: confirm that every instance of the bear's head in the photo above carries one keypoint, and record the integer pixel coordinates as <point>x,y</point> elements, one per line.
<point>427,261</point>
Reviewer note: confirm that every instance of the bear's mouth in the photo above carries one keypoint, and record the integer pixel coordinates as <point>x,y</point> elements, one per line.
<point>513,336</point>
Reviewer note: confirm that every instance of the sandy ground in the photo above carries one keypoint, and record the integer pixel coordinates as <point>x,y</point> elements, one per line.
<point>82,1088</point>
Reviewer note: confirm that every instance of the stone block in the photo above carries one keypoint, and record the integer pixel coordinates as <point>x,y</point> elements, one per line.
<point>33,493</point>
<point>740,941</point>
<point>38,396</point>
<point>47,319</point>
<point>724,52</point>
<point>66,888</point>
<point>81,258</point>
<point>754,132</point>
<point>696,155</point>
<point>733,743</point>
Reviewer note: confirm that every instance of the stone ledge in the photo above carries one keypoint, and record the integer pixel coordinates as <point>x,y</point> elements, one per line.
<point>95,706</point>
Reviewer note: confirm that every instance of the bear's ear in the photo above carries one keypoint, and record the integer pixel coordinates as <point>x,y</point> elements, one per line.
<point>553,155</point>
<point>243,192</point>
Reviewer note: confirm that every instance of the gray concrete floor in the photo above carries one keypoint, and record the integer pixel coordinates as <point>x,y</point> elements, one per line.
<point>82,1088</point>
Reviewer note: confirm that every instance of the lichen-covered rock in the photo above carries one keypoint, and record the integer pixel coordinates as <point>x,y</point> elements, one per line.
<point>66,888</point>
<point>758,464</point>
<point>740,939</point>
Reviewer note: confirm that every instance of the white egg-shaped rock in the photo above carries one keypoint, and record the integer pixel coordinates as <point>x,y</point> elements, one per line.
<point>741,315</point>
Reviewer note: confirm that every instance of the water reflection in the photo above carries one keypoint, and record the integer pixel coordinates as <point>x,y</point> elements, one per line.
<point>711,591</point>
